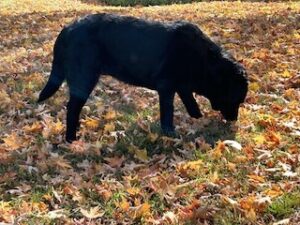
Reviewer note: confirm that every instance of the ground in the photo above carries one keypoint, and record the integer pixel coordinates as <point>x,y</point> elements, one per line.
<point>122,171</point>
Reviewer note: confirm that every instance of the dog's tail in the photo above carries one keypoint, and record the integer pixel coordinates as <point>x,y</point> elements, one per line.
<point>57,75</point>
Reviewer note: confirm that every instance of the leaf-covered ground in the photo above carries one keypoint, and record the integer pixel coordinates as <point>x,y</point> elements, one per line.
<point>123,171</point>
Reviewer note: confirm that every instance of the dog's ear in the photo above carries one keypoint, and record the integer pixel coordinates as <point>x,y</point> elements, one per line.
<point>219,70</point>
<point>238,85</point>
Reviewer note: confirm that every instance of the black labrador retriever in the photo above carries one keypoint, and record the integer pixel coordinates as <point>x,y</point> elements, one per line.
<point>167,57</point>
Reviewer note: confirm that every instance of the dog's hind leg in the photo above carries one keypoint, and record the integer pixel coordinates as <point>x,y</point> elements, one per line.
<point>190,103</point>
<point>80,89</point>
<point>74,107</point>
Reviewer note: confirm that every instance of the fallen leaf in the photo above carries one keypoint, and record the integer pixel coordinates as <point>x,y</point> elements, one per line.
<point>251,214</point>
<point>218,151</point>
<point>36,127</point>
<point>92,213</point>
<point>141,154</point>
<point>124,205</point>
<point>61,163</point>
<point>233,144</point>
<point>256,178</point>
<point>91,123</point>
<point>115,162</point>
<point>133,190</point>
<point>170,218</point>
<point>273,192</point>
<point>13,141</point>
<point>282,222</point>
<point>142,210</point>
<point>286,74</point>
<point>110,115</point>
<point>109,127</point>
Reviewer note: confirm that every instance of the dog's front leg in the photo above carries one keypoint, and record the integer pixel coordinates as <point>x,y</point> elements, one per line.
<point>166,98</point>
<point>190,103</point>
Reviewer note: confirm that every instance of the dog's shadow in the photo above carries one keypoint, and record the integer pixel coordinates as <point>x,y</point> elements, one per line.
<point>211,131</point>
<point>215,130</point>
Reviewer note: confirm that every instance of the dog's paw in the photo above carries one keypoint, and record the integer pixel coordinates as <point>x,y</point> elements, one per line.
<point>70,139</point>
<point>169,132</point>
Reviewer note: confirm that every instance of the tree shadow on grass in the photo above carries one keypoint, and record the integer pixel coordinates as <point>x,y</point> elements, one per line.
<point>135,2</point>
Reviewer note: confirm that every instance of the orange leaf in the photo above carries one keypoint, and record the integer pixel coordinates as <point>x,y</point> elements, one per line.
<point>254,86</point>
<point>153,137</point>
<point>274,137</point>
<point>231,166</point>
<point>286,74</point>
<point>256,178</point>
<point>51,127</point>
<point>110,115</point>
<point>273,192</point>
<point>40,206</point>
<point>133,190</point>
<point>109,127</point>
<point>104,192</point>
<point>91,123</point>
<point>217,152</point>
<point>251,214</point>
<point>13,141</point>
<point>240,159</point>
<point>124,205</point>
<point>36,127</point>
<point>190,168</point>
<point>142,210</point>
<point>247,203</point>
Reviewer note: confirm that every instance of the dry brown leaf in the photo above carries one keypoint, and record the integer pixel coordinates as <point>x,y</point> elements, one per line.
<point>13,141</point>
<point>133,190</point>
<point>190,168</point>
<point>256,178</point>
<point>273,192</point>
<point>36,127</point>
<point>110,115</point>
<point>61,163</point>
<point>4,99</point>
<point>109,127</point>
<point>141,154</point>
<point>115,162</point>
<point>92,213</point>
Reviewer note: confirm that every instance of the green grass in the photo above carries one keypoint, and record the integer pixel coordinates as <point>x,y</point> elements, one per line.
<point>229,218</point>
<point>285,205</point>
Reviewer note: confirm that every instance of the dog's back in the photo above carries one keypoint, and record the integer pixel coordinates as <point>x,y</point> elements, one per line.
<point>127,48</point>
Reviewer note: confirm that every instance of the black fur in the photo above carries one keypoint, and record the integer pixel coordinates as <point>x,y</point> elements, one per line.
<point>169,58</point>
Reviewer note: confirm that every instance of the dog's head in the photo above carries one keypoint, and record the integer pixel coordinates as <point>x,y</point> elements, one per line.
<point>227,87</point>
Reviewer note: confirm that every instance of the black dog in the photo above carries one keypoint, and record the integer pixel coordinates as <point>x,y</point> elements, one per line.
<point>169,58</point>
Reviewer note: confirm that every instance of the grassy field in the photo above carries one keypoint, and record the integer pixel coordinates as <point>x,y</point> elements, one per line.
<point>122,171</point>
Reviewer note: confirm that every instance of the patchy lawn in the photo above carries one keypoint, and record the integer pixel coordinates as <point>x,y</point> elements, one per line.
<point>123,171</point>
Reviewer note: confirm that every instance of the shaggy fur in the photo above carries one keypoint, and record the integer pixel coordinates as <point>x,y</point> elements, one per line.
<point>169,58</point>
